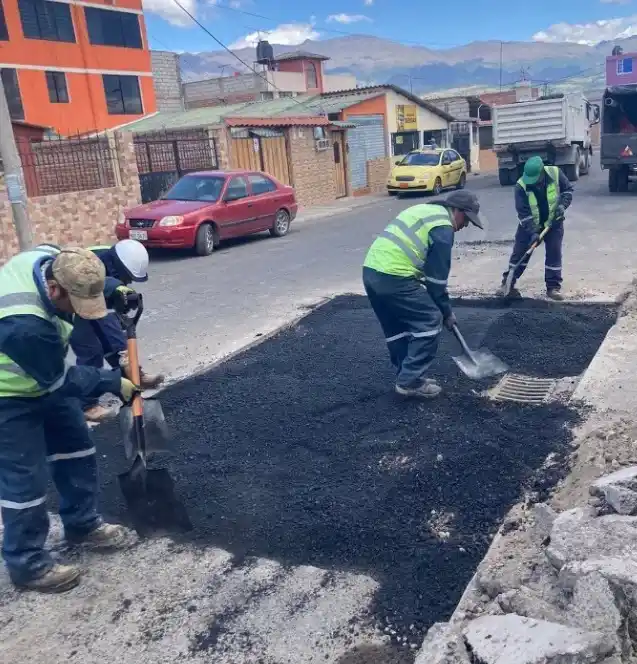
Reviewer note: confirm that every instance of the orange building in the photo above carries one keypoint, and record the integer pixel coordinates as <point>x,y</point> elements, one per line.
<point>75,65</point>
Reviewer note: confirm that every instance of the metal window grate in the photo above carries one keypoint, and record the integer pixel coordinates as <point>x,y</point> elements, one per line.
<point>523,389</point>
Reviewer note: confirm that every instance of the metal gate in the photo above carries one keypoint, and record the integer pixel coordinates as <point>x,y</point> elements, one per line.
<point>461,140</point>
<point>262,150</point>
<point>366,141</point>
<point>162,158</point>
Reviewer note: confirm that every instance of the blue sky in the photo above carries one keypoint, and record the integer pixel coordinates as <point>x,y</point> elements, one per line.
<point>292,21</point>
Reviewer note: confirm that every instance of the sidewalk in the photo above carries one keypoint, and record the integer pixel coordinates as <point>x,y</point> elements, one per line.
<point>339,206</point>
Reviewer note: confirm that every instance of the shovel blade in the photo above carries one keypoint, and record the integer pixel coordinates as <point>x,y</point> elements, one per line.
<point>480,364</point>
<point>157,432</point>
<point>151,500</point>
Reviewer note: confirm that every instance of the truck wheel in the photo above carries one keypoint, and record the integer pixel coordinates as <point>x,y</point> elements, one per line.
<point>622,179</point>
<point>586,166</point>
<point>613,181</point>
<point>572,171</point>
<point>505,176</point>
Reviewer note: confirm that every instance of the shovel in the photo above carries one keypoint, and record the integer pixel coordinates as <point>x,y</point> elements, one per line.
<point>149,493</point>
<point>508,284</point>
<point>477,364</point>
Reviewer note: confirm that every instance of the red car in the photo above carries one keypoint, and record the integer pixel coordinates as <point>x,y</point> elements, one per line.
<point>204,208</point>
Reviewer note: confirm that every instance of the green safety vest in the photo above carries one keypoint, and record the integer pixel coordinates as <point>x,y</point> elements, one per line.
<point>552,195</point>
<point>19,296</point>
<point>401,249</point>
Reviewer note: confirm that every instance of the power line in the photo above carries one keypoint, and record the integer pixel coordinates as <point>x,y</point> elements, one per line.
<point>234,55</point>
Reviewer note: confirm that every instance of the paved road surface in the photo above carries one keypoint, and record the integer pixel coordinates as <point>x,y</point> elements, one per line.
<point>200,309</point>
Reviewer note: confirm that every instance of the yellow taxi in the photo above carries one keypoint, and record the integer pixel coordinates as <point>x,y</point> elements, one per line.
<point>429,169</point>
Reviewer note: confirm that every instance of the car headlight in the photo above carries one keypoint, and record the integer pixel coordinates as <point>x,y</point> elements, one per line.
<point>172,220</point>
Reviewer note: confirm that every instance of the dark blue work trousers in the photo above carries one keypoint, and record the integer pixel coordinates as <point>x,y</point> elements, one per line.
<point>553,241</point>
<point>410,320</point>
<point>96,341</point>
<point>37,436</point>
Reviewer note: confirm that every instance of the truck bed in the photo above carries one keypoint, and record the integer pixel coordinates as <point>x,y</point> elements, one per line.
<point>540,121</point>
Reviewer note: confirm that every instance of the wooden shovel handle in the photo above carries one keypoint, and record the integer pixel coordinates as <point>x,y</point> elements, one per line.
<point>135,374</point>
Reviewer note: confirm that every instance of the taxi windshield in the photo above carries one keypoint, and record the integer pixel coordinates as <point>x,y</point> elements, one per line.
<point>421,159</point>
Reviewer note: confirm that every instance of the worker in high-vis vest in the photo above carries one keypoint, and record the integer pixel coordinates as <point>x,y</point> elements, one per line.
<point>405,276</point>
<point>542,196</point>
<point>42,426</point>
<point>95,342</point>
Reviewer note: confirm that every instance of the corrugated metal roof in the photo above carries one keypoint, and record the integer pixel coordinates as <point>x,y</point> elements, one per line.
<point>195,117</point>
<point>297,55</point>
<point>282,121</point>
<point>288,106</point>
<point>335,103</point>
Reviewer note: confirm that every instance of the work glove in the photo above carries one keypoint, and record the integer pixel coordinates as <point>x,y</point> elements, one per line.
<point>124,299</point>
<point>535,237</point>
<point>450,321</point>
<point>560,212</point>
<point>127,390</point>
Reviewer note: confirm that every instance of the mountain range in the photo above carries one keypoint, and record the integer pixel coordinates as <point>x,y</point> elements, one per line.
<point>375,60</point>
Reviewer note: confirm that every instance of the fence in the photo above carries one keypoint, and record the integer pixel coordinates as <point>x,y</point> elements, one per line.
<point>60,165</point>
<point>163,157</point>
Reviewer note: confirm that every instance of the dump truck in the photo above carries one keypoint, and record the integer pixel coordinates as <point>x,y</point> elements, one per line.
<point>555,127</point>
<point>618,146</point>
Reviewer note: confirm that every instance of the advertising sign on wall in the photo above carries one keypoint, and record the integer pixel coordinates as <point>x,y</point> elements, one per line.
<point>406,118</point>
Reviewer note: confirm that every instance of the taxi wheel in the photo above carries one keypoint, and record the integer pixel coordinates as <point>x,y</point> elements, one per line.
<point>462,182</point>
<point>437,187</point>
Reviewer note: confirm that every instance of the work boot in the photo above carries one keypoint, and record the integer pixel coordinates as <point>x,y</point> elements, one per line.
<point>514,293</point>
<point>427,390</point>
<point>106,537</point>
<point>98,413</point>
<point>554,294</point>
<point>59,579</point>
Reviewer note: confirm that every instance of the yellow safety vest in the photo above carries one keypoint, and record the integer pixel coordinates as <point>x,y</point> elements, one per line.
<point>19,295</point>
<point>552,195</point>
<point>401,249</point>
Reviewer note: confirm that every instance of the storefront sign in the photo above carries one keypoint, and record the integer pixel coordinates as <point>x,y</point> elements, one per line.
<point>406,118</point>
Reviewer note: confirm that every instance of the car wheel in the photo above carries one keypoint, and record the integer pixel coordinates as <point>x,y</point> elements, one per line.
<point>437,187</point>
<point>391,193</point>
<point>206,240</point>
<point>281,224</point>
<point>462,182</point>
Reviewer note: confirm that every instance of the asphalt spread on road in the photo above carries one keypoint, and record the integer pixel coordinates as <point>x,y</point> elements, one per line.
<point>298,450</point>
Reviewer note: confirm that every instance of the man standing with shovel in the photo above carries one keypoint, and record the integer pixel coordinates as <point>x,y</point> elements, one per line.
<point>405,277</point>
<point>542,196</point>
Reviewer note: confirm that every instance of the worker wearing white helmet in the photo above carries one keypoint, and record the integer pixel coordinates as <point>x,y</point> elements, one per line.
<point>96,341</point>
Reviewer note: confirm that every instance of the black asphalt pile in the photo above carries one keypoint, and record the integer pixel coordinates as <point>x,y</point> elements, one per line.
<point>298,450</point>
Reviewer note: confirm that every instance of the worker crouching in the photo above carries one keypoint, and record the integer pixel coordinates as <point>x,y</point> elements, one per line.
<point>405,277</point>
<point>42,426</point>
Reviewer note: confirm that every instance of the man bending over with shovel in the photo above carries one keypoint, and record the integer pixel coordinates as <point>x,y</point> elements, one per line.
<point>405,277</point>
<point>542,195</point>
<point>42,426</point>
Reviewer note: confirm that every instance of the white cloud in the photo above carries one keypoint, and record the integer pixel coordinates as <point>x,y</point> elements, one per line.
<point>615,2</point>
<point>170,12</point>
<point>589,33</point>
<point>286,34</point>
<point>347,18</point>
<point>369,3</point>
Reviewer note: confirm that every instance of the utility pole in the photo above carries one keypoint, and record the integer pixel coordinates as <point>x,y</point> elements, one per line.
<point>501,49</point>
<point>13,176</point>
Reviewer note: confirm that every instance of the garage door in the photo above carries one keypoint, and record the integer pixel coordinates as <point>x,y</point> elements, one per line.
<point>366,141</point>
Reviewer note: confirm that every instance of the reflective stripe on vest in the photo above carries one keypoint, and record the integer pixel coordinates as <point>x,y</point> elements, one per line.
<point>401,249</point>
<point>552,195</point>
<point>19,296</point>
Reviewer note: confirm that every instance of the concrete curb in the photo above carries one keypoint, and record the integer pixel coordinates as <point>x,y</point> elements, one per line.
<point>322,212</point>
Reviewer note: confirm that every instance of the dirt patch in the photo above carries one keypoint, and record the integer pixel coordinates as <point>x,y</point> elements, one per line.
<point>298,451</point>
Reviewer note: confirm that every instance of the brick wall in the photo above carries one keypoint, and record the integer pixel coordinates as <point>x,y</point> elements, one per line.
<point>80,217</point>
<point>222,144</point>
<point>377,172</point>
<point>313,173</point>
<point>167,81</point>
<point>229,89</point>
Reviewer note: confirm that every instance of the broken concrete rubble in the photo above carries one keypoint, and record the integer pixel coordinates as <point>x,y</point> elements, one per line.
<point>619,490</point>
<point>513,639</point>
<point>577,536</point>
<point>443,645</point>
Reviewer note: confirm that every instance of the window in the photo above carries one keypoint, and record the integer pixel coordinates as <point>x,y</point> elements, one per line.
<point>447,158</point>
<point>454,155</point>
<point>42,19</point>
<point>421,159</point>
<point>107,27</point>
<point>12,92</point>
<point>625,66</point>
<point>56,83</point>
<point>4,33</point>
<point>261,185</point>
<point>311,78</point>
<point>122,95</point>
<point>286,94</point>
<point>195,188</point>
<point>266,96</point>
<point>237,188</point>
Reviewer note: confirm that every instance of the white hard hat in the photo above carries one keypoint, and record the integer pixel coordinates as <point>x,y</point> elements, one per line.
<point>134,257</point>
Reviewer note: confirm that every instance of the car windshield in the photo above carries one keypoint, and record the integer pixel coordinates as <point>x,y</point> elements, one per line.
<point>195,188</point>
<point>420,159</point>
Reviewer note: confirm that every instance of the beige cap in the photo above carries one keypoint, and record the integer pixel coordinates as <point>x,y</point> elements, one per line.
<point>81,273</point>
